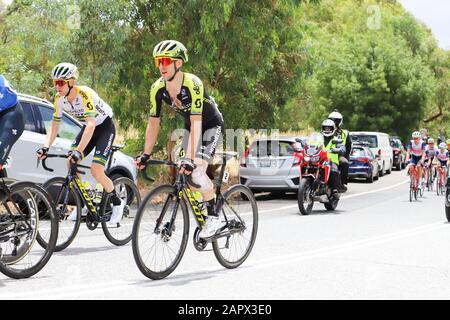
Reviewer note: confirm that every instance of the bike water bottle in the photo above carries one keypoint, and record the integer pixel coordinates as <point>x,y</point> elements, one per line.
<point>98,193</point>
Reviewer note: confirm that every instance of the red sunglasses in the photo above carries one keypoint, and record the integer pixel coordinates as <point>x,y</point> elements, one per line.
<point>60,83</point>
<point>165,61</point>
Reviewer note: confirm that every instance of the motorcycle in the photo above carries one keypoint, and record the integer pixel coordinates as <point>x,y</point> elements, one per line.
<point>315,168</point>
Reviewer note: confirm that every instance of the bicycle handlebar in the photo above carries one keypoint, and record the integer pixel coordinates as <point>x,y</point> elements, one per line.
<point>167,163</point>
<point>65,156</point>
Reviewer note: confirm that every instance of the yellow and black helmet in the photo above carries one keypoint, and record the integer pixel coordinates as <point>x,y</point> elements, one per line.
<point>172,49</point>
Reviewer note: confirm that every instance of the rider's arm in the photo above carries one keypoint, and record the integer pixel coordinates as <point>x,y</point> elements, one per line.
<point>87,134</point>
<point>151,134</point>
<point>154,121</point>
<point>340,150</point>
<point>197,92</point>
<point>194,135</point>
<point>51,134</point>
<point>54,127</point>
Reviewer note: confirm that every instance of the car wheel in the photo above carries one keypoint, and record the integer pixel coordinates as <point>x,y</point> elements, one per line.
<point>378,175</point>
<point>381,171</point>
<point>388,171</point>
<point>370,179</point>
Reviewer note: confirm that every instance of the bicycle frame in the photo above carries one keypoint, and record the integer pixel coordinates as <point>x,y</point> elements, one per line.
<point>414,172</point>
<point>181,185</point>
<point>72,176</point>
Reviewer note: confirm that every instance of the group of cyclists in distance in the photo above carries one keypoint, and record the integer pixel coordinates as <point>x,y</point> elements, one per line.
<point>423,153</point>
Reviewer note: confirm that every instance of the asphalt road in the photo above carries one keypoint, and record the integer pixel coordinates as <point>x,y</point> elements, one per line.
<point>376,245</point>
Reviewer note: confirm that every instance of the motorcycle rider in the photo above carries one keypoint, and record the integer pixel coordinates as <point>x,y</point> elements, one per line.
<point>335,151</point>
<point>344,160</point>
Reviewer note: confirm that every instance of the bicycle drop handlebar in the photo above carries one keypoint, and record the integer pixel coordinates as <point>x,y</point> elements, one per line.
<point>167,163</point>
<point>65,156</point>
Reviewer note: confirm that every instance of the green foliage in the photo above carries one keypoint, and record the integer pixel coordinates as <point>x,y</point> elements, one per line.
<point>268,63</point>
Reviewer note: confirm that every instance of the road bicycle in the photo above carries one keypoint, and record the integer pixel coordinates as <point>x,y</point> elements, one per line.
<point>440,181</point>
<point>161,227</point>
<point>27,217</point>
<point>70,195</point>
<point>415,187</point>
<point>429,176</point>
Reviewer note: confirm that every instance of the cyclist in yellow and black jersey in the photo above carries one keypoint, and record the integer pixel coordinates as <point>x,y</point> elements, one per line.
<point>98,129</point>
<point>203,122</point>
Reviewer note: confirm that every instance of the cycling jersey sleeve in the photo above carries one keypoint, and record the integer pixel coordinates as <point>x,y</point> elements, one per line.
<point>88,102</point>
<point>195,85</point>
<point>156,98</point>
<point>57,114</point>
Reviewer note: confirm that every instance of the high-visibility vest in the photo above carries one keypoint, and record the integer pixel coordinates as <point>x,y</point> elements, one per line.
<point>334,157</point>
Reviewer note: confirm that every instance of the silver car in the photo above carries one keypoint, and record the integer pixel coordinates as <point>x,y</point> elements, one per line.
<point>271,165</point>
<point>21,164</point>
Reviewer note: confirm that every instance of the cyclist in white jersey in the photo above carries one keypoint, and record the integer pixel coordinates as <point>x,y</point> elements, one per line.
<point>416,152</point>
<point>98,129</point>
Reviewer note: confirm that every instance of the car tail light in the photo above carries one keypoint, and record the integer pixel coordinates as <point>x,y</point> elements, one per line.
<point>379,154</point>
<point>363,160</point>
<point>244,158</point>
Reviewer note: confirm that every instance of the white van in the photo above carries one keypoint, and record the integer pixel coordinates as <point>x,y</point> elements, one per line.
<point>380,146</point>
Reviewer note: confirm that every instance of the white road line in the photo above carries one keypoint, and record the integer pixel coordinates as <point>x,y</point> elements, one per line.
<point>80,290</point>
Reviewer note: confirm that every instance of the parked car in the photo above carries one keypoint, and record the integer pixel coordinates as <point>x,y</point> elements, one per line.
<point>272,165</point>
<point>363,163</point>
<point>380,146</point>
<point>22,161</point>
<point>399,153</point>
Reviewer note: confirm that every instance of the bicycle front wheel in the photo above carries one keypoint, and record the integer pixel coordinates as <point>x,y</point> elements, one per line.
<point>158,247</point>
<point>126,190</point>
<point>27,216</point>
<point>240,214</point>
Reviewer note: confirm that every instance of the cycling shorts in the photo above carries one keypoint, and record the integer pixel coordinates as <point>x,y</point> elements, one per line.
<point>102,140</point>
<point>415,159</point>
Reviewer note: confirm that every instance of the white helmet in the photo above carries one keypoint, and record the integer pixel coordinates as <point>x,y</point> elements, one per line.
<point>65,71</point>
<point>337,118</point>
<point>430,140</point>
<point>328,128</point>
<point>442,145</point>
<point>416,134</point>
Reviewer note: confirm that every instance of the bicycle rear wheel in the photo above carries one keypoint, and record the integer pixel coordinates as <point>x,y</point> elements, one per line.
<point>158,250</point>
<point>240,212</point>
<point>68,229</point>
<point>27,216</point>
<point>121,233</point>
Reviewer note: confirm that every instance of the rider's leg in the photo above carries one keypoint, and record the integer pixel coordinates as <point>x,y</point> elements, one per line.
<point>343,168</point>
<point>200,178</point>
<point>210,140</point>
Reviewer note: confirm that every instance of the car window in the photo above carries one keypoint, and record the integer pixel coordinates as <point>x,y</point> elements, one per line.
<point>372,140</point>
<point>358,152</point>
<point>68,128</point>
<point>370,154</point>
<point>271,148</point>
<point>30,123</point>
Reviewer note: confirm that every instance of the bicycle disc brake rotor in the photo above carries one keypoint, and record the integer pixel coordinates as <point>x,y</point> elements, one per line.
<point>21,239</point>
